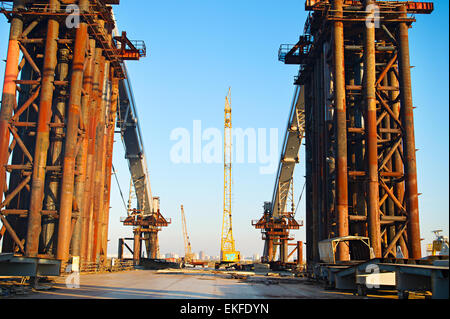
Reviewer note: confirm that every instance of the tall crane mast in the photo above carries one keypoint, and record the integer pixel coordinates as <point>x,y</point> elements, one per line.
<point>188,256</point>
<point>228,251</point>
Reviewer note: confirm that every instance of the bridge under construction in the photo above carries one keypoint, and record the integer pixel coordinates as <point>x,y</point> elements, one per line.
<point>67,92</point>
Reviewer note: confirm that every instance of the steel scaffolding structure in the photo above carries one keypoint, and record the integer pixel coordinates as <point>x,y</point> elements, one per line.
<point>58,115</point>
<point>361,176</point>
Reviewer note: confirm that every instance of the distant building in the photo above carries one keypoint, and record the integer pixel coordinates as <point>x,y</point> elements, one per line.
<point>201,255</point>
<point>256,257</point>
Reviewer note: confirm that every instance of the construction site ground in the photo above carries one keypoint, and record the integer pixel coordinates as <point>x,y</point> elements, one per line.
<point>190,284</point>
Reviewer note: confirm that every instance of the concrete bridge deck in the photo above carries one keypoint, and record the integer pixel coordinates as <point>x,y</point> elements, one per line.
<point>203,284</point>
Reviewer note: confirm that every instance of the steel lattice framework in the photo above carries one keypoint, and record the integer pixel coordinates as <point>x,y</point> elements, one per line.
<point>360,149</point>
<point>58,113</point>
<point>227,243</point>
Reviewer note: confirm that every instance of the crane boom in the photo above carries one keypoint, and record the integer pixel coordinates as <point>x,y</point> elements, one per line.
<point>188,256</point>
<point>289,156</point>
<point>278,218</point>
<point>228,252</point>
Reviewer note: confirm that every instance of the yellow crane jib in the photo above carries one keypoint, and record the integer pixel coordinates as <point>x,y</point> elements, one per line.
<point>188,255</point>
<point>228,251</point>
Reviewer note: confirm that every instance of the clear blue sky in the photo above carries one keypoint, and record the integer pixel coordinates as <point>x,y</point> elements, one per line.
<point>197,49</point>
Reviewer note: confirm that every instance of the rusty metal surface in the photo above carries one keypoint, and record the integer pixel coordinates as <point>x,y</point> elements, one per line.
<point>361,171</point>
<point>57,107</point>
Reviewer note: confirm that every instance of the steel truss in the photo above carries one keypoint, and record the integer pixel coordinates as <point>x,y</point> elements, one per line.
<point>361,176</point>
<point>58,113</point>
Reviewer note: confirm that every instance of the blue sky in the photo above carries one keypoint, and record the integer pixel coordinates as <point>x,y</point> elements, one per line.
<point>196,50</point>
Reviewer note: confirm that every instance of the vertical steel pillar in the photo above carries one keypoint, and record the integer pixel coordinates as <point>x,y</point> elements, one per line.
<point>82,185</point>
<point>9,90</point>
<point>269,245</point>
<point>101,162</point>
<point>109,155</point>
<point>311,247</point>
<point>51,195</point>
<point>341,131</point>
<point>90,165</point>
<point>300,252</point>
<point>73,119</point>
<point>120,249</point>
<point>409,144</point>
<point>137,246</point>
<point>81,159</point>
<point>98,159</point>
<point>283,250</point>
<point>42,136</point>
<point>8,103</point>
<point>373,214</point>
<point>151,240</point>
<point>9,93</point>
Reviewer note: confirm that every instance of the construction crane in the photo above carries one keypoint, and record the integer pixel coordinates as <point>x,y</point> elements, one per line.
<point>279,214</point>
<point>146,219</point>
<point>228,253</point>
<point>188,255</point>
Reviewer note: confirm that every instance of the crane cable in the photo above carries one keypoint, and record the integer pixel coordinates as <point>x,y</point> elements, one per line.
<point>300,198</point>
<point>120,190</point>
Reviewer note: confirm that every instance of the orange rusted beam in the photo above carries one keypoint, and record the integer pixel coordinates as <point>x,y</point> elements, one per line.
<point>73,119</point>
<point>82,189</point>
<point>42,135</point>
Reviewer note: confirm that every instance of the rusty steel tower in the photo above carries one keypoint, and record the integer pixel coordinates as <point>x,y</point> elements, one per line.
<point>361,174</point>
<point>61,97</point>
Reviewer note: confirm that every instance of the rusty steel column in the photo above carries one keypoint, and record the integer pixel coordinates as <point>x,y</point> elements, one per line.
<point>42,136</point>
<point>109,154</point>
<point>9,90</point>
<point>51,195</point>
<point>90,165</point>
<point>137,246</point>
<point>341,131</point>
<point>73,119</point>
<point>373,215</point>
<point>300,252</point>
<point>81,157</point>
<point>151,240</point>
<point>409,144</point>
<point>283,250</point>
<point>98,159</point>
<point>269,245</point>
<point>104,172</point>
<point>82,185</point>
<point>101,163</point>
